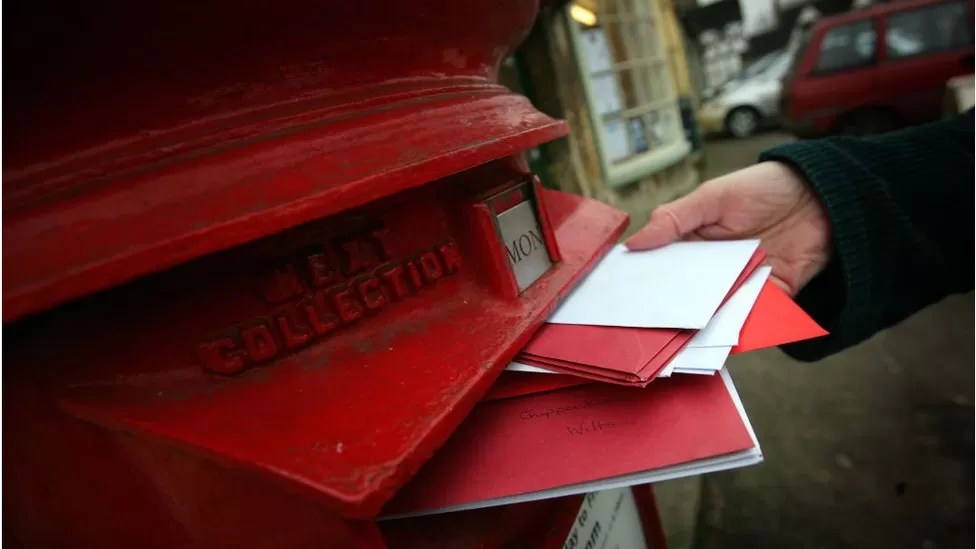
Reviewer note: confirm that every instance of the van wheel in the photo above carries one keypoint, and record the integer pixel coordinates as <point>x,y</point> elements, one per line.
<point>869,122</point>
<point>742,121</point>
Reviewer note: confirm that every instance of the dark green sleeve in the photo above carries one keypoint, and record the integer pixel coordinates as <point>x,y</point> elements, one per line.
<point>901,208</point>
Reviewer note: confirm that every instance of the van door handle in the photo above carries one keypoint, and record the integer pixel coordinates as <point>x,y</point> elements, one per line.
<point>967,61</point>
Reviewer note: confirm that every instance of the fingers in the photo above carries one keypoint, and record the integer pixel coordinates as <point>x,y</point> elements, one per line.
<point>677,219</point>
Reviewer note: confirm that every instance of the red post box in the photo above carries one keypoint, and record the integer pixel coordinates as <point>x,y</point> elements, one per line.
<point>261,259</point>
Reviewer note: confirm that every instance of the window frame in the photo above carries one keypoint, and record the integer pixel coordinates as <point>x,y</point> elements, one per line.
<point>886,19</point>
<point>871,61</point>
<point>637,166</point>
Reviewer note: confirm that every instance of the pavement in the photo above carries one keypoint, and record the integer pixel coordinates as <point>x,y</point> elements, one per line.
<point>870,448</point>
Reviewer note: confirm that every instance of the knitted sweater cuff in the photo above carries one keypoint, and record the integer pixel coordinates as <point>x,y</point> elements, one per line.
<point>839,298</point>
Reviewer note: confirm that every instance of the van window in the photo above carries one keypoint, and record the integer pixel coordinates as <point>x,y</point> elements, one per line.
<point>928,30</point>
<point>847,47</point>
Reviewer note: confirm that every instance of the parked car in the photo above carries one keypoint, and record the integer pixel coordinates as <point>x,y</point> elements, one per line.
<point>748,101</point>
<point>750,72</point>
<point>877,69</point>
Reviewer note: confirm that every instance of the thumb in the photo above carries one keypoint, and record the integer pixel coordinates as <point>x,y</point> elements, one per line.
<point>674,220</point>
<point>783,284</point>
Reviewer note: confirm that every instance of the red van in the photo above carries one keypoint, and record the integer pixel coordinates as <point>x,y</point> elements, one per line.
<point>876,69</point>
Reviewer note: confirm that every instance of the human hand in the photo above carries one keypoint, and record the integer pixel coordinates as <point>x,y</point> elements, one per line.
<point>768,201</point>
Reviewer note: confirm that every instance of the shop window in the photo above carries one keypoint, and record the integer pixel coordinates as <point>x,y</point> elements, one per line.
<point>630,94</point>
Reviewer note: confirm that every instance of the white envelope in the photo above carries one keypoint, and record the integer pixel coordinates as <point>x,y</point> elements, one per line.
<point>724,328</point>
<point>520,367</point>
<point>696,360</point>
<point>678,286</point>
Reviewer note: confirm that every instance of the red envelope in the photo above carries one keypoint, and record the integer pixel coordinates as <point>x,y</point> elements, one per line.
<point>515,446</point>
<point>514,384</point>
<point>641,378</point>
<point>584,371</point>
<point>625,350</point>
<point>775,319</point>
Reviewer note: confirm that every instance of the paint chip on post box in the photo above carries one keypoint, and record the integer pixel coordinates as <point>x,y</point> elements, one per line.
<point>525,245</point>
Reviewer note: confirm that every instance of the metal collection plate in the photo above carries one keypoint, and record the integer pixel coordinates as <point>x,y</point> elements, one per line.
<point>521,235</point>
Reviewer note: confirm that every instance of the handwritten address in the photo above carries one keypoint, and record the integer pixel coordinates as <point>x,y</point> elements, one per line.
<point>589,426</point>
<point>557,411</point>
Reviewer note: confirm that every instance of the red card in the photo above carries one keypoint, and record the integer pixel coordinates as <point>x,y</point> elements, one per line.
<point>775,320</point>
<point>514,446</point>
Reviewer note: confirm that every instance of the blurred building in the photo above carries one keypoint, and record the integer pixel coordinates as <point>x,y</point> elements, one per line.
<point>726,35</point>
<point>616,71</point>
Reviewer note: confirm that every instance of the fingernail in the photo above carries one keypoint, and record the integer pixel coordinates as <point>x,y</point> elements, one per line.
<point>635,244</point>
